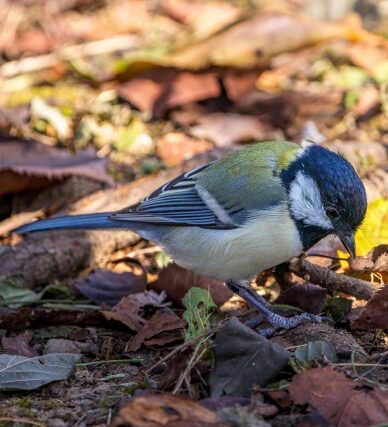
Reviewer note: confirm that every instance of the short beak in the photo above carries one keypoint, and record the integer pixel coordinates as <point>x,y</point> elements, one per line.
<point>348,241</point>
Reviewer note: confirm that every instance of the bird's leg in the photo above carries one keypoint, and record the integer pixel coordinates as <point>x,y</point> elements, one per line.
<point>259,303</point>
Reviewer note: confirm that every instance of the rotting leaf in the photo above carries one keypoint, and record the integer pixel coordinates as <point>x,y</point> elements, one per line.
<point>29,373</point>
<point>108,287</point>
<point>308,297</point>
<point>28,165</point>
<point>375,314</point>
<point>176,281</point>
<point>315,349</point>
<point>127,311</point>
<point>342,401</point>
<point>244,358</point>
<point>199,306</point>
<point>162,328</point>
<point>164,410</point>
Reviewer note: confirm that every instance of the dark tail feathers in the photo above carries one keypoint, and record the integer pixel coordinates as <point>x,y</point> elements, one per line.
<point>76,222</point>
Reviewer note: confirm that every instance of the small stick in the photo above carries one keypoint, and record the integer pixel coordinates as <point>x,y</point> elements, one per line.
<point>331,280</point>
<point>68,53</point>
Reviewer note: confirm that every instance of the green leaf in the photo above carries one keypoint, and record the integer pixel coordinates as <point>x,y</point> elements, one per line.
<point>199,307</point>
<point>315,349</point>
<point>29,373</point>
<point>13,295</point>
<point>338,308</point>
<point>351,98</point>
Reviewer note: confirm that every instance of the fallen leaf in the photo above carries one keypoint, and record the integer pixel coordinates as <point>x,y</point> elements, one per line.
<point>239,83</point>
<point>176,147</point>
<point>12,294</point>
<point>227,128</point>
<point>28,165</point>
<point>161,90</point>
<point>153,331</point>
<point>127,311</point>
<point>374,228</point>
<point>199,306</point>
<point>19,345</point>
<point>375,314</point>
<point>165,410</point>
<point>244,358</point>
<point>316,349</point>
<point>308,297</point>
<point>29,373</point>
<point>342,401</point>
<point>366,56</point>
<point>203,18</point>
<point>376,260</point>
<point>107,287</point>
<point>176,281</point>
<point>255,40</point>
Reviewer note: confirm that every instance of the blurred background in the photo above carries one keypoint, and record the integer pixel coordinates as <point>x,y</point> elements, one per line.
<point>104,92</point>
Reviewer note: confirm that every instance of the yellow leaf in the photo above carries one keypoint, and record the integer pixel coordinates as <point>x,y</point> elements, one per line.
<point>374,229</point>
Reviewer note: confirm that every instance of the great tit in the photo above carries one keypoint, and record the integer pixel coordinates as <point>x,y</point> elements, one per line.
<point>249,211</point>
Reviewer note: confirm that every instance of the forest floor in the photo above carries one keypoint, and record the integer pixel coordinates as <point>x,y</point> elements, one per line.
<point>103,102</point>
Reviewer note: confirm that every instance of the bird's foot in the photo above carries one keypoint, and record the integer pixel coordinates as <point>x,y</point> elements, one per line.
<point>276,320</point>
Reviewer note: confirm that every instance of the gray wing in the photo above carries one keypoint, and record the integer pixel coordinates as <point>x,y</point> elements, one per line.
<point>181,201</point>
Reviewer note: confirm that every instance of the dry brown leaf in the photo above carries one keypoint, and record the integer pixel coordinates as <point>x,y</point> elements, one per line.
<point>153,331</point>
<point>342,401</point>
<point>107,287</point>
<point>28,164</point>
<point>254,41</point>
<point>375,314</point>
<point>19,345</point>
<point>165,410</point>
<point>176,147</point>
<point>204,18</point>
<point>227,128</point>
<point>308,297</point>
<point>127,311</point>
<point>176,281</point>
<point>239,83</point>
<point>158,91</point>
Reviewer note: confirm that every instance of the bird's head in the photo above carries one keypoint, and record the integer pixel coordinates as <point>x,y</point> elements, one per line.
<point>325,196</point>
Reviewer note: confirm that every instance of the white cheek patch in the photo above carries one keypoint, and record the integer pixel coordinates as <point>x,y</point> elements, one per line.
<point>306,203</point>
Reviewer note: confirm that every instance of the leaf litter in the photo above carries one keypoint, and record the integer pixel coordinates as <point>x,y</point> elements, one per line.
<point>149,86</point>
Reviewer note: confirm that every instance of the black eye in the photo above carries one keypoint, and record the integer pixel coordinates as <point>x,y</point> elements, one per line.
<point>332,212</point>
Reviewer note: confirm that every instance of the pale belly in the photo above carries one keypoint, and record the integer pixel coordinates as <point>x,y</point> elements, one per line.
<point>263,242</point>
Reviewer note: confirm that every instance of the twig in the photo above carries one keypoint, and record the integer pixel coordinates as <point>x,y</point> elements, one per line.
<point>68,53</point>
<point>331,280</point>
<point>113,361</point>
<point>21,421</point>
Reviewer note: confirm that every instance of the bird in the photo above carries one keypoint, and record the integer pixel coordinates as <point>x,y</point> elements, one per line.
<point>249,211</point>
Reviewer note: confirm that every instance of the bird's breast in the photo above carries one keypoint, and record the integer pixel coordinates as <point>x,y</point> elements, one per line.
<point>268,238</point>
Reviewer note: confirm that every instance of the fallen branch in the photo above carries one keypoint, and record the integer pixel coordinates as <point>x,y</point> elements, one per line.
<point>33,318</point>
<point>68,53</point>
<point>331,280</point>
